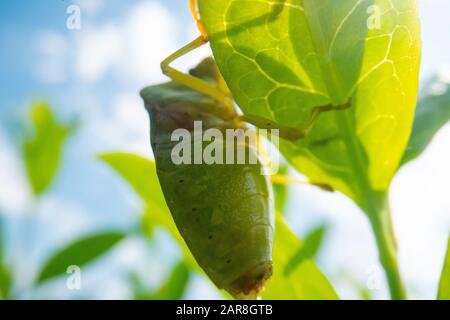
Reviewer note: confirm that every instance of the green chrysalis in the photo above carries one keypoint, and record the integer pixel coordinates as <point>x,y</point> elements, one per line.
<point>223,211</point>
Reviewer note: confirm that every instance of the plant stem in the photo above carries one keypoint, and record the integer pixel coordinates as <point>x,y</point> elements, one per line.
<point>380,219</point>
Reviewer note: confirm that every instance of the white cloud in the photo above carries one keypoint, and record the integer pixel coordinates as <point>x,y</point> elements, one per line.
<point>64,219</point>
<point>444,73</point>
<point>200,288</point>
<point>97,51</point>
<point>438,88</point>
<point>130,113</point>
<point>52,57</point>
<point>124,126</point>
<point>152,36</point>
<point>90,6</point>
<point>128,50</point>
<point>15,195</point>
<point>131,49</point>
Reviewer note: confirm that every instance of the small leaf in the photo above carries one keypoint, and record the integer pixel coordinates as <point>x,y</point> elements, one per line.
<point>306,282</point>
<point>42,148</point>
<point>444,285</point>
<point>5,282</point>
<point>432,113</point>
<point>174,287</point>
<point>140,173</point>
<point>5,274</point>
<point>2,241</point>
<point>281,191</point>
<point>176,284</point>
<point>79,253</point>
<point>308,250</point>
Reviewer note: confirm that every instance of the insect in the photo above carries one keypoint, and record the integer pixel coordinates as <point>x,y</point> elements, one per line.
<point>223,211</point>
<point>198,84</point>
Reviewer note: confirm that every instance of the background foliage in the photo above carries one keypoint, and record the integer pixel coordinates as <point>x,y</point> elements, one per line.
<point>57,198</point>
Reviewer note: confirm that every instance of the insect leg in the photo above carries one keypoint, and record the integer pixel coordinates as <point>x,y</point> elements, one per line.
<point>200,27</point>
<point>315,113</point>
<point>187,80</point>
<point>290,133</point>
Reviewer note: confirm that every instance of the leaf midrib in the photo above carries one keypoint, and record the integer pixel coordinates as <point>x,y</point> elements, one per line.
<point>355,152</point>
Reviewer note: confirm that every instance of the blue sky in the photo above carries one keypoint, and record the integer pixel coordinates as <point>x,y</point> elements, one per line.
<point>95,74</point>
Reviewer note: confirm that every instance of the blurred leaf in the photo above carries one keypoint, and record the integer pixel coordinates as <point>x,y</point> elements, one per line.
<point>174,286</point>
<point>5,274</point>
<point>5,282</point>
<point>140,173</point>
<point>432,113</point>
<point>360,288</point>
<point>308,250</point>
<point>444,285</point>
<point>281,191</point>
<point>79,253</point>
<point>364,293</point>
<point>2,242</point>
<point>306,282</point>
<point>42,148</point>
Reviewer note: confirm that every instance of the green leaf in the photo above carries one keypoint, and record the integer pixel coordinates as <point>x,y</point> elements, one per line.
<point>308,249</point>
<point>282,58</point>
<point>174,287</point>
<point>79,253</point>
<point>2,241</point>
<point>140,173</point>
<point>432,113</point>
<point>5,274</point>
<point>306,282</point>
<point>444,285</point>
<point>5,282</point>
<point>280,191</point>
<point>176,284</point>
<point>42,148</point>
